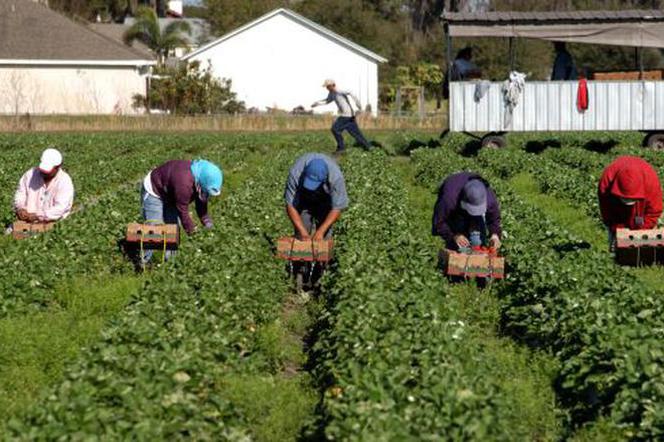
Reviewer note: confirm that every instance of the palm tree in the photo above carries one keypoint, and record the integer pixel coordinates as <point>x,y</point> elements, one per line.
<point>146,29</point>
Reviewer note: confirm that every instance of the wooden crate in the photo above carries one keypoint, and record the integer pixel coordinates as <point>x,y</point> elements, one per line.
<point>22,230</point>
<point>154,236</point>
<point>639,247</point>
<point>472,264</point>
<point>293,249</point>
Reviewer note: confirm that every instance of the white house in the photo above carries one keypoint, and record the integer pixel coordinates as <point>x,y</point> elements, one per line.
<point>50,64</point>
<point>281,59</point>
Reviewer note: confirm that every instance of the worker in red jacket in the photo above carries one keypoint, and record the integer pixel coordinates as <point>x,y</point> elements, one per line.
<point>630,195</point>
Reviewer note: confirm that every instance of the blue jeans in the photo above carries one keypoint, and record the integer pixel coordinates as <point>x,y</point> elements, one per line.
<point>349,124</point>
<point>155,212</point>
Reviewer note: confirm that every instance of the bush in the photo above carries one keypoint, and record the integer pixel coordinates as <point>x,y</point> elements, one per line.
<point>189,89</point>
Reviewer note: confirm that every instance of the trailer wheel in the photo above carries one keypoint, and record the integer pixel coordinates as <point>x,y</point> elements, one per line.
<point>655,141</point>
<point>493,141</point>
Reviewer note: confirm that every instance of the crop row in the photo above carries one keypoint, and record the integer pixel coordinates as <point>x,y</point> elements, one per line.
<point>602,324</point>
<point>159,370</point>
<point>394,359</point>
<point>87,242</point>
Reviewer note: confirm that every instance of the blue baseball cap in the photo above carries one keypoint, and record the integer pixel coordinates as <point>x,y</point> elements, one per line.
<point>315,174</point>
<point>474,198</point>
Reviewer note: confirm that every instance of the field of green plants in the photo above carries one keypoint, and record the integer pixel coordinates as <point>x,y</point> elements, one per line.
<point>217,345</point>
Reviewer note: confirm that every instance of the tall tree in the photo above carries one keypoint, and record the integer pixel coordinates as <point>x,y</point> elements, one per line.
<point>147,30</point>
<point>226,15</point>
<point>88,9</point>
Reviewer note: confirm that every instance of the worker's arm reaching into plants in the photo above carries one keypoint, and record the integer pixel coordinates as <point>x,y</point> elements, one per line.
<point>466,212</point>
<point>331,218</point>
<point>493,219</point>
<point>315,194</point>
<point>298,224</point>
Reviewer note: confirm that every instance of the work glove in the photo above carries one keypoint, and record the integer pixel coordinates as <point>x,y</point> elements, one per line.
<point>494,242</point>
<point>461,241</point>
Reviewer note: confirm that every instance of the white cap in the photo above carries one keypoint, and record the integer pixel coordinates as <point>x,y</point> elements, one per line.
<point>328,82</point>
<point>50,159</point>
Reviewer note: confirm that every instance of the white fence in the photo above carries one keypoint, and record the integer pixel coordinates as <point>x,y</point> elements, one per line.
<point>551,106</point>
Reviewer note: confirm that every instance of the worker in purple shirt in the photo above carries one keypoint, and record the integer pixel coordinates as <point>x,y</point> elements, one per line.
<point>169,189</point>
<point>467,212</point>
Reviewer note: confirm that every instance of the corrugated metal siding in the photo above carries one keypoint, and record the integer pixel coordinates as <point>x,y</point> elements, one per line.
<point>551,106</point>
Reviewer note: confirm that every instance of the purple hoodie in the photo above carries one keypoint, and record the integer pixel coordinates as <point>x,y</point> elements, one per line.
<point>174,183</point>
<point>448,209</point>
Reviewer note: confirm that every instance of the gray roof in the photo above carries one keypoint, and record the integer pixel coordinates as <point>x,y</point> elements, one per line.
<point>504,17</point>
<point>30,31</point>
<point>116,32</point>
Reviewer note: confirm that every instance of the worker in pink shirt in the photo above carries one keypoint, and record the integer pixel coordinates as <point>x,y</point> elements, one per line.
<point>44,193</point>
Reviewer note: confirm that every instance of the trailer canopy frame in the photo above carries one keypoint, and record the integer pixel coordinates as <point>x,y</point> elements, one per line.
<point>636,28</point>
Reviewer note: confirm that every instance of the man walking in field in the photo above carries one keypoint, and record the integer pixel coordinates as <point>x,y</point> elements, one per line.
<point>346,119</point>
<point>44,193</point>
<point>630,196</point>
<point>315,195</point>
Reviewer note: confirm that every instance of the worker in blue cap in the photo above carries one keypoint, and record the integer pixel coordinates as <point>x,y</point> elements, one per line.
<point>315,195</point>
<point>467,213</point>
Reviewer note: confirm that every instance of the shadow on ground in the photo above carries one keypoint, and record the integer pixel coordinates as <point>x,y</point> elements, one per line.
<point>540,146</point>
<point>600,146</point>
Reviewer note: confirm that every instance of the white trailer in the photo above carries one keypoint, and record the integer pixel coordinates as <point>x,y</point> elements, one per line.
<point>552,105</point>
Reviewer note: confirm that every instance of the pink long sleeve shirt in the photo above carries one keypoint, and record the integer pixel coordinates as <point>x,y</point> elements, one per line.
<point>50,202</point>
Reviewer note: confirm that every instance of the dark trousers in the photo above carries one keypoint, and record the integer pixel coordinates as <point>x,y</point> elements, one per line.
<point>348,123</point>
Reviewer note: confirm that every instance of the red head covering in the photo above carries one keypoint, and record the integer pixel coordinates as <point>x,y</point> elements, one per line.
<point>628,183</point>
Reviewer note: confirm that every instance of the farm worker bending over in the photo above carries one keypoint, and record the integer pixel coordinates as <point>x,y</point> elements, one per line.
<point>466,208</point>
<point>170,188</point>
<point>44,193</point>
<point>346,118</point>
<point>315,193</point>
<point>630,195</point>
